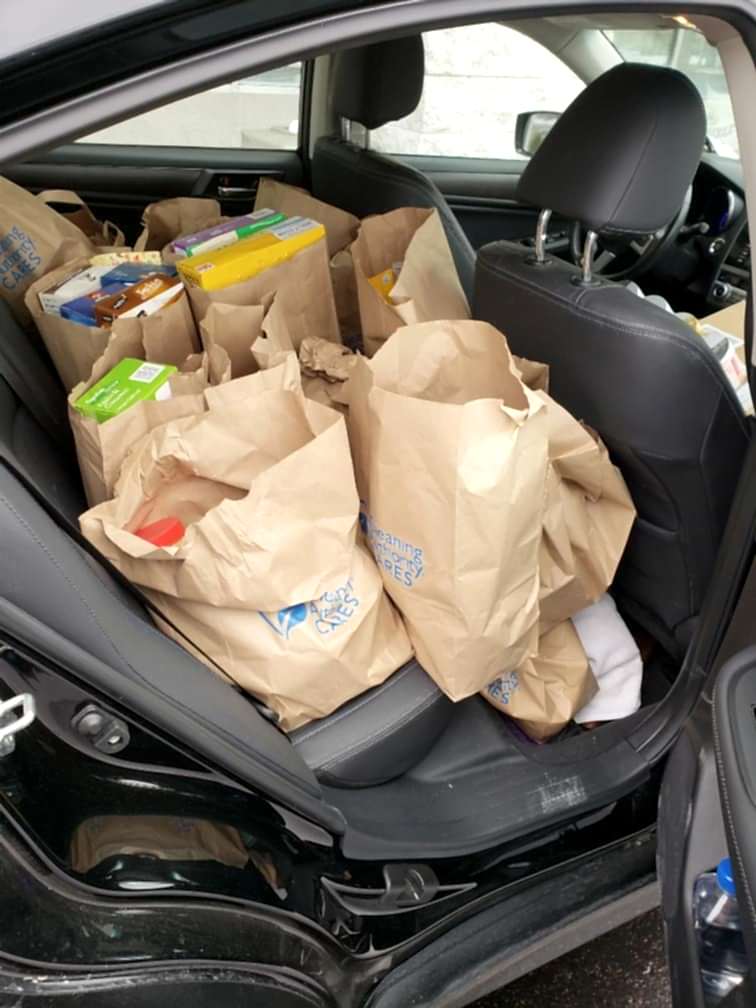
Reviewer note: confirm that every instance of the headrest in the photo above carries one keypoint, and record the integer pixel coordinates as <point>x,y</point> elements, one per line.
<point>623,154</point>
<point>379,83</point>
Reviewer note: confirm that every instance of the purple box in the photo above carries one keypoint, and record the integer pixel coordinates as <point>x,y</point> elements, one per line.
<point>226,233</point>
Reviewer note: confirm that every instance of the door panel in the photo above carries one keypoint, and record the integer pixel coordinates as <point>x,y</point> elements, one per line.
<point>735,744</point>
<point>118,181</point>
<point>694,834</point>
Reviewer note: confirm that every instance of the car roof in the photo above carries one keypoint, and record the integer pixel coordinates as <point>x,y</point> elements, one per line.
<point>25,28</point>
<point>73,58</point>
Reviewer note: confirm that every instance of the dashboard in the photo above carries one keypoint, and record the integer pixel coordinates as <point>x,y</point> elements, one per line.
<point>731,284</point>
<point>715,240</point>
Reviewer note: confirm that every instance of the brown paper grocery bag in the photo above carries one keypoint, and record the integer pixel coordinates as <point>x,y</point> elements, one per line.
<point>546,691</point>
<point>341,227</point>
<point>262,483</point>
<point>169,219</point>
<point>428,286</point>
<point>306,660</point>
<point>268,581</point>
<point>324,366</point>
<point>282,376</point>
<point>533,373</point>
<point>171,838</point>
<point>102,447</point>
<point>450,452</point>
<point>303,283</point>
<point>34,239</point>
<point>341,230</point>
<point>344,282</point>
<point>235,328</point>
<point>588,517</point>
<point>75,348</point>
<point>101,233</point>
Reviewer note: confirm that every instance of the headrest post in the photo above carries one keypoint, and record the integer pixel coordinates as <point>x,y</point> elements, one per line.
<point>589,247</point>
<point>346,129</point>
<point>541,234</point>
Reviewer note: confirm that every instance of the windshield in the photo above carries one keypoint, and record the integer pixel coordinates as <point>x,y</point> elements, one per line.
<point>686,50</point>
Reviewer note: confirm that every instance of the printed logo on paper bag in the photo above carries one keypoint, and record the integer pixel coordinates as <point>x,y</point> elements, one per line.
<point>504,688</point>
<point>285,620</point>
<point>328,613</point>
<point>401,559</point>
<point>18,258</point>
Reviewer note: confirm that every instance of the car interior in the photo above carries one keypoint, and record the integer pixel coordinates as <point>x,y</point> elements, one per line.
<point>394,770</point>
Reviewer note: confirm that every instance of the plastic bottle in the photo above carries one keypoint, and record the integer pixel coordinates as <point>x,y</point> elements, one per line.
<point>721,950</point>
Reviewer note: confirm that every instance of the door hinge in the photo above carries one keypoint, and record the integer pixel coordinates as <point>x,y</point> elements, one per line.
<point>15,715</point>
<point>406,887</point>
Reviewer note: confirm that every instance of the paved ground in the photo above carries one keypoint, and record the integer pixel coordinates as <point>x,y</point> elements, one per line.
<point>625,968</point>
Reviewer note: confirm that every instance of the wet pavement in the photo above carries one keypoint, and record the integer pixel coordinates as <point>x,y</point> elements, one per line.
<point>626,967</point>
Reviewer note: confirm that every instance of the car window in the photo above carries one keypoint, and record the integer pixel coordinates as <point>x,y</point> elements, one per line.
<point>687,50</point>
<point>477,80</point>
<point>255,112</point>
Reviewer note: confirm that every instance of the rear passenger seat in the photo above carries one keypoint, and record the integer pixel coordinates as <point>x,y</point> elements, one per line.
<point>57,598</point>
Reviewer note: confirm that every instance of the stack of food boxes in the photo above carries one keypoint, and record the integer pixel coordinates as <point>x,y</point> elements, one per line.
<point>217,257</point>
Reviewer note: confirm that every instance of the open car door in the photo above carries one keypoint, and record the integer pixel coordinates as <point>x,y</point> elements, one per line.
<point>734,726</point>
<point>707,807</point>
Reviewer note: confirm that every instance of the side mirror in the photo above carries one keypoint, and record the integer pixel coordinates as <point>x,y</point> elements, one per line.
<point>531,129</point>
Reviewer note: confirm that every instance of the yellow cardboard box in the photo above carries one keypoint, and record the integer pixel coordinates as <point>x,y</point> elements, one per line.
<point>245,259</point>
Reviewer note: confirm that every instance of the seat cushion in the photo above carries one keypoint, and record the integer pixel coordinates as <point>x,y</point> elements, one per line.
<point>379,735</point>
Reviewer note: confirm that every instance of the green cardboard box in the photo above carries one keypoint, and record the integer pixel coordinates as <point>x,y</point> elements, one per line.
<point>129,382</point>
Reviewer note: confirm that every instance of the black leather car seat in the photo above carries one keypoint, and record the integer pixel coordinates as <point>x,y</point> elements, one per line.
<point>619,160</point>
<point>374,85</point>
<point>62,595</point>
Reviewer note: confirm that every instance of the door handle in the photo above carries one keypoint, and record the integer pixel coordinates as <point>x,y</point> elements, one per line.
<point>236,192</point>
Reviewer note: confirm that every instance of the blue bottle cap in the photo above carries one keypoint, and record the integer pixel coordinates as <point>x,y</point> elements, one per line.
<point>725,876</point>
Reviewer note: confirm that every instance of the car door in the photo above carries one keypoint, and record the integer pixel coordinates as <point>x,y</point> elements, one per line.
<point>707,807</point>
<point>734,725</point>
<point>478,79</point>
<point>217,143</point>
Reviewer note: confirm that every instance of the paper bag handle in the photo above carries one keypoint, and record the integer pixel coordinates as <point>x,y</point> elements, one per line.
<point>110,231</point>
<point>62,196</point>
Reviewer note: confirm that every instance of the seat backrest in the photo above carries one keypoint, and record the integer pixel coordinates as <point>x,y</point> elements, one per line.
<point>374,85</point>
<point>637,374</point>
<point>657,395</point>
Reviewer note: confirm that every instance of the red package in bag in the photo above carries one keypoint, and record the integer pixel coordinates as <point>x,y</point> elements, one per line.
<point>164,532</point>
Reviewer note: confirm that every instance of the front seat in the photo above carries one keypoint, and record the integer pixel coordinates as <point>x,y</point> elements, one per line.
<point>374,85</point>
<point>619,161</point>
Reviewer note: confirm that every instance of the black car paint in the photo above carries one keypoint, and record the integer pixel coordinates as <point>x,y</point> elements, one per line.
<point>211,912</point>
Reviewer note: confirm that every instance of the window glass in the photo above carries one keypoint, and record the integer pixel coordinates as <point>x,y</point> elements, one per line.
<point>477,80</point>
<point>687,50</point>
<point>255,112</point>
